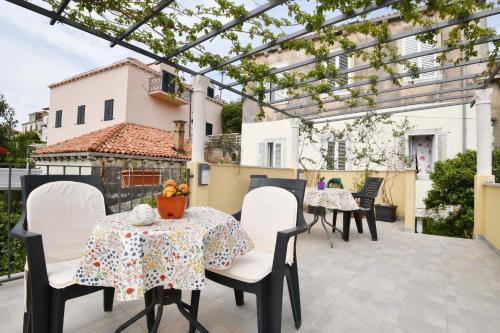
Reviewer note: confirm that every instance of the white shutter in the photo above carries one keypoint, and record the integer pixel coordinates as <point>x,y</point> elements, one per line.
<point>277,154</point>
<point>341,153</point>
<point>442,146</point>
<point>262,154</point>
<point>278,94</point>
<point>428,61</point>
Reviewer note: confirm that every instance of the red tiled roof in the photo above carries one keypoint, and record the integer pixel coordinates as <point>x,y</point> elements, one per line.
<point>125,139</point>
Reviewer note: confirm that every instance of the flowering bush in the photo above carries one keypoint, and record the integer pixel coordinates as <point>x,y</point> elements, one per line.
<point>170,189</point>
<point>3,151</point>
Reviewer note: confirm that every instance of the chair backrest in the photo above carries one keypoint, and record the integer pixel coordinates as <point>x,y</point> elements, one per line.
<point>63,212</point>
<point>296,186</point>
<point>255,181</point>
<point>370,191</point>
<point>335,183</point>
<point>265,211</point>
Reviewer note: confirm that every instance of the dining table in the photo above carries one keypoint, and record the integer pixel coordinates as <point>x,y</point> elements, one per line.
<point>159,261</point>
<point>336,199</point>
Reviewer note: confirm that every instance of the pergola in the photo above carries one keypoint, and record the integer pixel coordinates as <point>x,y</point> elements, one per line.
<point>201,79</point>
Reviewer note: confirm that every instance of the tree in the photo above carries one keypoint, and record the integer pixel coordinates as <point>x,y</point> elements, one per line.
<point>7,124</point>
<point>453,191</point>
<point>19,149</point>
<point>231,117</point>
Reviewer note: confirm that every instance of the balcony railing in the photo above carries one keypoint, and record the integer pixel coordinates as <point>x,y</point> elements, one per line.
<point>121,193</point>
<point>156,89</point>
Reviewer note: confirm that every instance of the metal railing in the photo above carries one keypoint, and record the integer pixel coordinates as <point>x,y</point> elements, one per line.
<point>156,84</point>
<point>124,189</point>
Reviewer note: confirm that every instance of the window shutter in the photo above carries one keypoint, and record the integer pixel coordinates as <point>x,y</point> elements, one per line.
<point>341,160</point>
<point>108,109</point>
<point>277,155</point>
<point>442,146</point>
<point>168,82</point>
<point>428,61</point>
<point>401,151</point>
<point>342,63</point>
<point>330,155</point>
<point>262,154</point>
<point>278,94</point>
<point>80,116</point>
<point>58,118</point>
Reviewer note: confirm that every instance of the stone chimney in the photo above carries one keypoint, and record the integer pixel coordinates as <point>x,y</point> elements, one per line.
<point>179,135</point>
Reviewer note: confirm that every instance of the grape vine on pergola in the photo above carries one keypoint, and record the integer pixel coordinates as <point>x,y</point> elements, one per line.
<point>170,32</point>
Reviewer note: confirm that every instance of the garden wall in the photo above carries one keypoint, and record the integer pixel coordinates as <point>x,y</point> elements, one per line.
<point>490,228</point>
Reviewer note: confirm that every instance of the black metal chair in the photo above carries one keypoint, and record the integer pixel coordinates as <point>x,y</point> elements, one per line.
<point>49,271</point>
<point>366,202</point>
<point>282,264</point>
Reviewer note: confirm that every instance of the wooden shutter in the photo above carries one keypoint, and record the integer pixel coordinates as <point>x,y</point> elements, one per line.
<point>277,155</point>
<point>341,153</point>
<point>58,118</point>
<point>330,155</point>
<point>168,82</point>
<point>428,61</point>
<point>261,155</point>
<point>278,94</point>
<point>108,109</point>
<point>80,116</point>
<point>342,63</point>
<point>442,146</point>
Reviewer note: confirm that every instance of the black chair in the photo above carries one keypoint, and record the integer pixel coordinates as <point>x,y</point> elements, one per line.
<point>366,202</point>
<point>269,287</point>
<point>48,280</point>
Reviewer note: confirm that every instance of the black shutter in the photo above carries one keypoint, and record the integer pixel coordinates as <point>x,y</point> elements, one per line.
<point>58,118</point>
<point>108,109</point>
<point>343,64</point>
<point>210,92</point>
<point>168,82</point>
<point>209,128</point>
<point>80,117</point>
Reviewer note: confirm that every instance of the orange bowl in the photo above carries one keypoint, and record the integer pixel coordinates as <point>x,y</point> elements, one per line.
<point>171,208</point>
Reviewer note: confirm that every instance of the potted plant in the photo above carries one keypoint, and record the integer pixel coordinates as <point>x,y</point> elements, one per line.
<point>321,183</point>
<point>172,202</point>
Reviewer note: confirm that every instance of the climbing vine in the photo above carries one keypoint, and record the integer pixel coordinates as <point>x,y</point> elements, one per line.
<point>179,25</point>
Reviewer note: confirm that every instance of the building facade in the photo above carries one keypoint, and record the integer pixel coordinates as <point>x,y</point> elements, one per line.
<point>127,91</point>
<point>37,122</point>
<point>442,129</point>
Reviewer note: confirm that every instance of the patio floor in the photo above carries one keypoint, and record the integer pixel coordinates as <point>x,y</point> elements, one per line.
<point>403,283</point>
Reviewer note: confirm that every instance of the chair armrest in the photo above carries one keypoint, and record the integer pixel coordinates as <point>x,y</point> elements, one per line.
<point>19,233</point>
<point>282,239</point>
<point>355,194</point>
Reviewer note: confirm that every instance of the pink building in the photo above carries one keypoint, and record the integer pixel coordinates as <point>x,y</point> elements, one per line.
<point>126,91</point>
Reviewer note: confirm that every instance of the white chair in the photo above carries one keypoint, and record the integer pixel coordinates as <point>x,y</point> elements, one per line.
<point>58,215</point>
<point>269,216</point>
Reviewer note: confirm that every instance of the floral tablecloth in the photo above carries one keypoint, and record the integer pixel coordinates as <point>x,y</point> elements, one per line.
<point>171,253</point>
<point>332,198</point>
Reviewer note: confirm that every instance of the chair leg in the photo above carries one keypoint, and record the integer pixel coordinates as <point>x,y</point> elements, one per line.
<point>334,221</point>
<point>57,311</point>
<point>292,281</point>
<point>150,315</point>
<point>346,225</point>
<point>372,224</point>
<point>108,298</point>
<point>263,308</point>
<point>239,297</point>
<point>359,221</point>
<point>195,301</point>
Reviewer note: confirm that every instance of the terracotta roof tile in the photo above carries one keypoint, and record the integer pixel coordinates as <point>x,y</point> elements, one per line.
<point>123,138</point>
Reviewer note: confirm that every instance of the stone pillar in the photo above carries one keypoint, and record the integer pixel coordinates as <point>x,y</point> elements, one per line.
<point>198,103</point>
<point>484,131</point>
<point>294,152</point>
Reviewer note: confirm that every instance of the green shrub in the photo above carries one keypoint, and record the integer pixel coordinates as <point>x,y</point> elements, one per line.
<point>17,253</point>
<point>453,186</point>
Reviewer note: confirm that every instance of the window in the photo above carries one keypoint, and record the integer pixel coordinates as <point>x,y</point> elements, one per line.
<point>108,109</point>
<point>58,118</point>
<point>412,45</point>
<point>277,95</point>
<point>336,155</point>
<point>271,154</point>
<point>168,82</point>
<point>210,92</point>
<point>80,115</point>
<point>209,128</point>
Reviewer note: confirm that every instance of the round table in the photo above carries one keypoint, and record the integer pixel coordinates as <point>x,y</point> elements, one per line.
<point>169,254</point>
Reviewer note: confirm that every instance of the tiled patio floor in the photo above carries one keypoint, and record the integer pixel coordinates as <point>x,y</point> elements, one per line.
<point>402,283</point>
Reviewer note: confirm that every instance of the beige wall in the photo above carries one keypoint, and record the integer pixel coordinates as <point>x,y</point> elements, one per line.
<point>229,184</point>
<point>490,228</point>
<point>91,91</point>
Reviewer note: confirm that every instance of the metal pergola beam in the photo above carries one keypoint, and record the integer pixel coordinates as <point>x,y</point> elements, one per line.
<point>229,25</point>
<point>385,62</point>
<point>361,110</point>
<point>372,43</point>
<point>300,33</point>
<point>385,78</point>
<point>444,91</point>
<point>409,97</point>
<point>156,9</point>
<point>340,118</point>
<point>87,29</point>
<point>60,9</point>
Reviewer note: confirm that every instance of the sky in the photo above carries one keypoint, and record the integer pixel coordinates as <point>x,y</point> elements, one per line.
<point>34,54</point>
